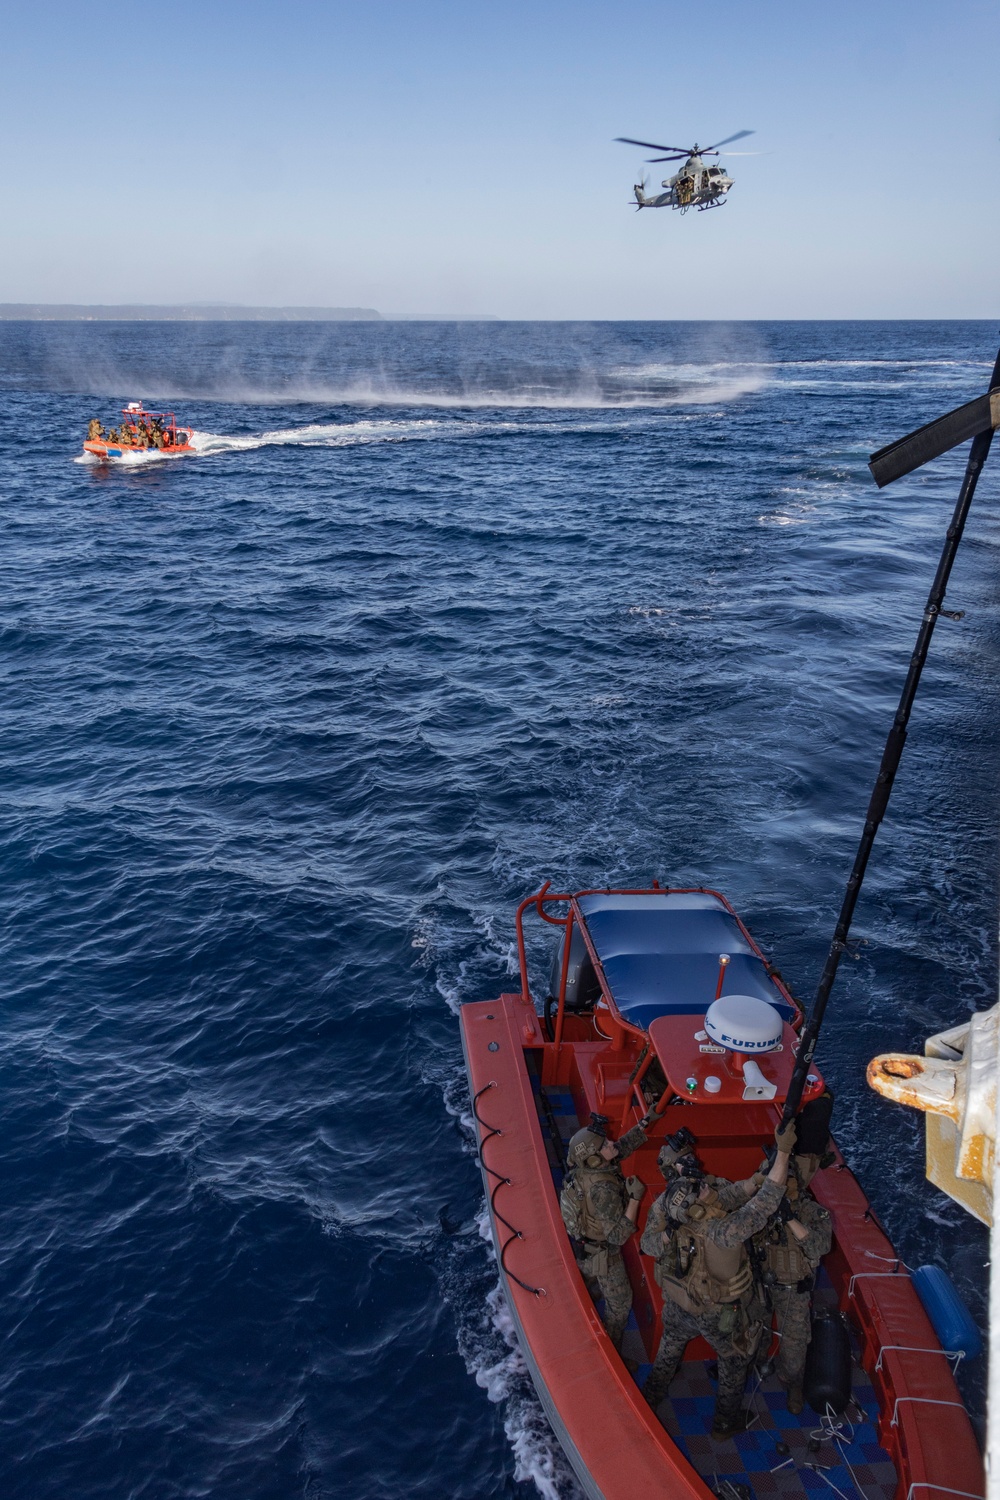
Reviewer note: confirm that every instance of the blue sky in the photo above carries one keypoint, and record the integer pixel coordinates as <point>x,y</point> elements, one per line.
<point>437,157</point>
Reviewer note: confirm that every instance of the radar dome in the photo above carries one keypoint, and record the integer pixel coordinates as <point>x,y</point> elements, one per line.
<point>742,1023</point>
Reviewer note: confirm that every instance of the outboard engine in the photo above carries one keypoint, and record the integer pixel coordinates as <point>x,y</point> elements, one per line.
<point>827,1381</point>
<point>582,987</point>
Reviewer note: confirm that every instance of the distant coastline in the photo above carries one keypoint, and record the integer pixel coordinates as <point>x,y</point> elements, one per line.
<point>73,312</point>
<point>223,312</point>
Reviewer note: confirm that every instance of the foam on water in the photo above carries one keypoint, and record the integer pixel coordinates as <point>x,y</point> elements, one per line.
<point>129,459</point>
<point>623,389</point>
<point>327,435</point>
<point>538,1457</point>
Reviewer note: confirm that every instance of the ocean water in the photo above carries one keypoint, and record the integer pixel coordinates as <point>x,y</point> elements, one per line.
<point>289,727</point>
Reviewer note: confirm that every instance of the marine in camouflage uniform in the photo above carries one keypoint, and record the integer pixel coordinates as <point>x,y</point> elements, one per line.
<point>600,1207</point>
<point>794,1245</point>
<point>713,1294</point>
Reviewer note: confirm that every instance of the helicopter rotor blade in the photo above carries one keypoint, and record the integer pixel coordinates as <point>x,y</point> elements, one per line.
<point>928,442</point>
<point>678,156</point>
<point>737,137</point>
<point>627,140</point>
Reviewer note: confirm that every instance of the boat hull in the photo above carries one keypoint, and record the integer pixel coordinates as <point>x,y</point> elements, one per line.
<point>110,452</point>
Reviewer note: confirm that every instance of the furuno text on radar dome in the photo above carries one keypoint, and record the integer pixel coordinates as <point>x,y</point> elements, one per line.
<point>743,1023</point>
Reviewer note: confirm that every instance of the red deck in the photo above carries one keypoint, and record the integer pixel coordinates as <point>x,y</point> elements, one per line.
<point>617,1446</point>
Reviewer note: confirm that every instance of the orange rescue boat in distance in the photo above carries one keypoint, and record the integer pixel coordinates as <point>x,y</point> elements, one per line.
<point>140,431</point>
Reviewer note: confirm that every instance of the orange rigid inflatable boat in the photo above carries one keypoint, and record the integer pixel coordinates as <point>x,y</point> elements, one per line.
<point>140,431</point>
<point>622,1031</point>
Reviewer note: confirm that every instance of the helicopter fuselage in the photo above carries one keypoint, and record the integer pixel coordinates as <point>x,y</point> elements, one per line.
<point>696,185</point>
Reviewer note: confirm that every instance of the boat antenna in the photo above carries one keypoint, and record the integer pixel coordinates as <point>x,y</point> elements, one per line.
<point>976,419</point>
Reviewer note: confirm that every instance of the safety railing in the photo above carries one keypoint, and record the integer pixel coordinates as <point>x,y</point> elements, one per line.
<point>622,1029</point>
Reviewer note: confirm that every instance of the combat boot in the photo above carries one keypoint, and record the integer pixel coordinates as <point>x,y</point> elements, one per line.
<point>727,1427</point>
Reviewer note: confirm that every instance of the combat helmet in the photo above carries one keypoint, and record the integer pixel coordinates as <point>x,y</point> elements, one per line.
<point>677,1156</point>
<point>584,1148</point>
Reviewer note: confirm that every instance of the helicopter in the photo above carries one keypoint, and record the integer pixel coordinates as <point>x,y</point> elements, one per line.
<point>695,185</point>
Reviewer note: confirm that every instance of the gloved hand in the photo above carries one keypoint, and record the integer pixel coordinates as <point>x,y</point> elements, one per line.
<point>785,1211</point>
<point>785,1137</point>
<point>636,1188</point>
<point>649,1118</point>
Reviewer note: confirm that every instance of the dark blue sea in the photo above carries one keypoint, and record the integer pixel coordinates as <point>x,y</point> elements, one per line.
<point>439,611</point>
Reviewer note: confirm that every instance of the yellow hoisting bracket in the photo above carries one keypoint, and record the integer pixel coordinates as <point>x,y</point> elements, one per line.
<point>955,1084</point>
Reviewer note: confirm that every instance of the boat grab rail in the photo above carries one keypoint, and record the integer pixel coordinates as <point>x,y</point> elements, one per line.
<point>515,1234</point>
<point>923,1401</point>
<point>543,897</point>
<point>870,1276</point>
<point>634,1092</point>
<point>925,1484</point>
<point>538,900</point>
<point>950,1354</point>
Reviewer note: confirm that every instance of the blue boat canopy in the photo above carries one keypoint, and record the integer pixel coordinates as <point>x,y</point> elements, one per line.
<point>660,954</point>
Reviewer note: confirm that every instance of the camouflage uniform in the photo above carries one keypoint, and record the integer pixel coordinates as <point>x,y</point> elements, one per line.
<point>793,1263</point>
<point>730,1327</point>
<point>607,1198</point>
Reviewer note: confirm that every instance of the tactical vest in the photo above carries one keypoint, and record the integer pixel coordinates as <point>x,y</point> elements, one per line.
<point>579,1215</point>
<point>785,1258</point>
<point>713,1275</point>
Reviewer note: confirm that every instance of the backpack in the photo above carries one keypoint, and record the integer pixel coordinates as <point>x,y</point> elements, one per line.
<point>573,1207</point>
<point>582,1223</point>
<point>690,1272</point>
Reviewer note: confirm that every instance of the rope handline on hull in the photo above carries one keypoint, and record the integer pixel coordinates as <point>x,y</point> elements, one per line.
<point>501,1181</point>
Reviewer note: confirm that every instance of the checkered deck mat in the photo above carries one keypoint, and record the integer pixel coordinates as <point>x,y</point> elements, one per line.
<point>781,1456</point>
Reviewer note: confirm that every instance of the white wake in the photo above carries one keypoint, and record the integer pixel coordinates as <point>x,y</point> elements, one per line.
<point>332,435</point>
